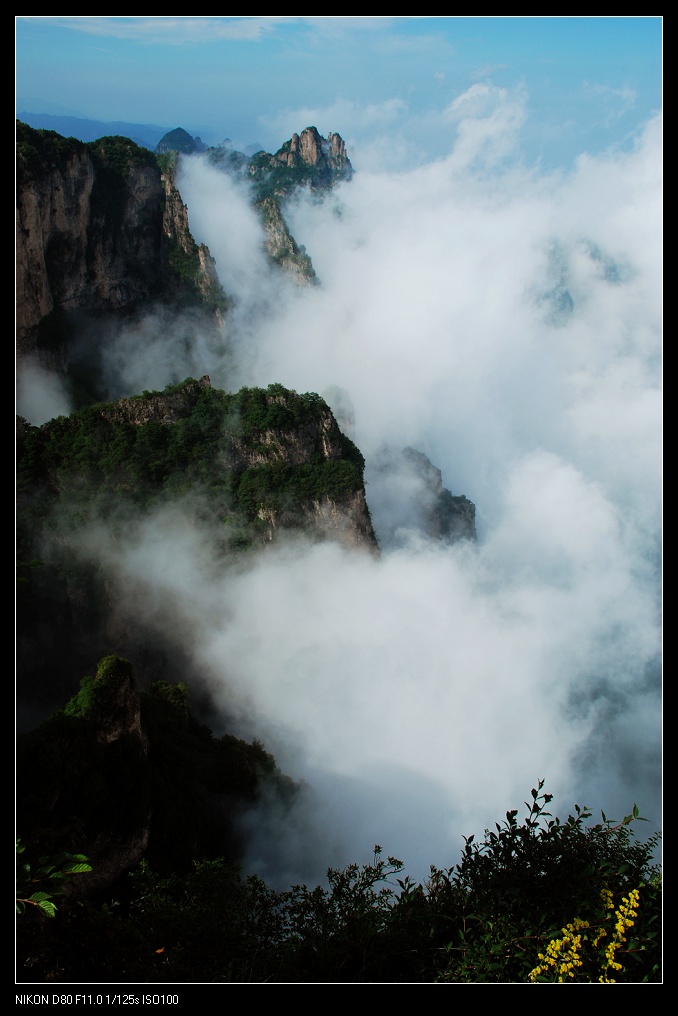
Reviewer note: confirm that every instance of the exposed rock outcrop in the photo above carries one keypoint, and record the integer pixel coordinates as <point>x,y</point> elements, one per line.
<point>192,262</point>
<point>120,773</point>
<point>447,516</point>
<point>349,524</point>
<point>110,703</point>
<point>407,495</point>
<point>281,246</point>
<point>251,467</point>
<point>158,407</point>
<point>326,155</point>
<point>307,160</point>
<point>100,231</point>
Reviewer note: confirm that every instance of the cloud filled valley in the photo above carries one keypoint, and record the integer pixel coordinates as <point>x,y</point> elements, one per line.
<point>506,322</point>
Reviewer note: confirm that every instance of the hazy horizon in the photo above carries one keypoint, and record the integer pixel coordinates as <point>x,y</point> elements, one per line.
<point>389,85</point>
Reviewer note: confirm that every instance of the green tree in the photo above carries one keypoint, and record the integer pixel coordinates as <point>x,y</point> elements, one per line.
<point>518,888</point>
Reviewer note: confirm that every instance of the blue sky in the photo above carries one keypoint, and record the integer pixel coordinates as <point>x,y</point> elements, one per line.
<point>584,83</point>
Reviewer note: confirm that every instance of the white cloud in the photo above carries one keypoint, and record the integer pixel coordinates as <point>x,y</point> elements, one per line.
<point>170,30</point>
<point>180,29</point>
<point>616,102</point>
<point>41,394</point>
<point>429,689</point>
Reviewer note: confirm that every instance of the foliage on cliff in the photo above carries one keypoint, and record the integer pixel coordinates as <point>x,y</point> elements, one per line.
<point>231,449</point>
<point>39,150</point>
<point>112,768</point>
<point>248,466</point>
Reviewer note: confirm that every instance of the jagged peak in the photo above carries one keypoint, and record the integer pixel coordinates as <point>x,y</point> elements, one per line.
<point>311,149</point>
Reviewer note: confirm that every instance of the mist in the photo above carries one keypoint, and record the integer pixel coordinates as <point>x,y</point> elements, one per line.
<point>506,322</point>
<point>41,394</point>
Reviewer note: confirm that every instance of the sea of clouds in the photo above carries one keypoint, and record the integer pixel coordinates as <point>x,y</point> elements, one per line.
<point>505,321</point>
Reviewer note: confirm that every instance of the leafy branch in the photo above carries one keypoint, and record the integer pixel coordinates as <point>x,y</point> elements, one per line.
<point>37,887</point>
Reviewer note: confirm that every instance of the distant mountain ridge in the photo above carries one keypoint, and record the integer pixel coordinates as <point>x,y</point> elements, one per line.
<point>181,141</point>
<point>146,135</point>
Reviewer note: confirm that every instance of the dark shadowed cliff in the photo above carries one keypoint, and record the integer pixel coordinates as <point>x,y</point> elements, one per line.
<point>101,232</point>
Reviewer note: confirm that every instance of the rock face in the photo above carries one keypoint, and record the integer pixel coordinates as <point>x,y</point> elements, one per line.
<point>349,524</point>
<point>100,231</point>
<point>447,516</point>
<point>110,701</point>
<point>327,155</point>
<point>307,160</point>
<point>269,454</point>
<point>281,246</point>
<point>252,468</point>
<point>407,496</point>
<point>157,407</point>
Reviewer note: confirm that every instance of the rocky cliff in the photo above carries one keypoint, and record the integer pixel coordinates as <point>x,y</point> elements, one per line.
<point>101,231</point>
<point>307,161</point>
<point>249,467</point>
<point>270,455</point>
<point>325,158</point>
<point>409,497</point>
<point>281,246</point>
<point>122,773</point>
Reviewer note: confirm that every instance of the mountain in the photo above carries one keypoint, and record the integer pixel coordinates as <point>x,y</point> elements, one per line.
<point>307,159</point>
<point>411,498</point>
<point>307,162</point>
<point>127,770</point>
<point>250,466</point>
<point>122,773</point>
<point>102,232</point>
<point>179,140</point>
<point>102,236</point>
<point>146,523</point>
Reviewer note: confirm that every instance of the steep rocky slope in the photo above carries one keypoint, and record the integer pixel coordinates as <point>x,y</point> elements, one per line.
<point>248,467</point>
<point>307,161</point>
<point>122,773</point>
<point>269,456</point>
<point>410,497</point>
<point>101,231</point>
